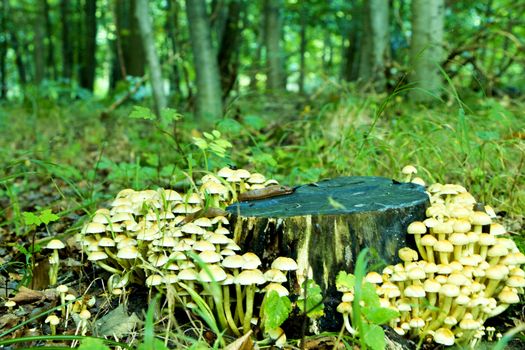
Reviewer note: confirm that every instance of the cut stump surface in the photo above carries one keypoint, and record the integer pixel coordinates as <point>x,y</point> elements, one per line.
<point>325,225</point>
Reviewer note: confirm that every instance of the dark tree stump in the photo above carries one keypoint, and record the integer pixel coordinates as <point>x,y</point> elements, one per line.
<point>325,225</point>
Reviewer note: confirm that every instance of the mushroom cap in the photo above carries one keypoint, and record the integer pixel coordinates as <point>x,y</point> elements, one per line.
<point>480,218</point>
<point>417,273</point>
<point>97,255</point>
<point>284,264</point>
<point>225,172</point>
<point>344,308</point>
<point>417,322</point>
<point>508,296</point>
<point>444,336</point>
<point>129,252</point>
<point>417,227</point>
<point>188,274</point>
<point>461,226</point>
<point>496,272</point>
<point>274,275</point>
<point>428,240</point>
<point>251,261</point>
<point>213,273</point>
<point>497,229</point>
<point>202,246</point>
<point>52,320</point>
<point>217,238</point>
<point>279,288</point>
<point>409,169</point>
<point>249,277</point>
<point>154,280</point>
<point>106,242</point>
<point>431,285</point>
<point>374,277</point>
<point>210,257</point>
<point>449,290</point>
<point>55,244</point>
<point>94,227</point>
<point>443,246</point>
<point>497,250</point>
<point>256,178</point>
<point>406,254</point>
<point>458,238</point>
<point>443,228</point>
<point>415,291</point>
<point>233,262</point>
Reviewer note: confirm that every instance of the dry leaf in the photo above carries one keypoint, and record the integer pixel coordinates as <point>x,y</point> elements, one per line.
<point>26,295</point>
<point>243,343</point>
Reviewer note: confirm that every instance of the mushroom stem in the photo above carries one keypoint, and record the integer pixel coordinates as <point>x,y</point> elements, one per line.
<point>228,312</point>
<point>250,293</point>
<point>347,324</point>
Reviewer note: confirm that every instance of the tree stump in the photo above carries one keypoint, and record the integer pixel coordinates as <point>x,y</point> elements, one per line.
<point>325,225</point>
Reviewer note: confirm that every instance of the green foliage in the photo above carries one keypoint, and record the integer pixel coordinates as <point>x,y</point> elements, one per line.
<point>368,315</point>
<point>150,342</point>
<point>93,344</point>
<point>45,217</point>
<point>275,310</point>
<point>311,302</point>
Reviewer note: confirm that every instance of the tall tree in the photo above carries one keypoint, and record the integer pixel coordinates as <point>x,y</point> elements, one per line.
<point>39,49</point>
<point>209,96</point>
<point>374,48</point>
<point>276,79</point>
<point>88,61</point>
<point>229,46</point>
<point>4,37</point>
<point>148,40</point>
<point>172,27</point>
<point>67,47</point>
<point>426,48</point>
<point>304,15</point>
<point>50,47</point>
<point>129,49</point>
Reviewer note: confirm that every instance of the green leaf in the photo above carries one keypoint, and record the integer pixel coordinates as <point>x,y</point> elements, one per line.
<point>379,315</point>
<point>374,337</point>
<point>170,114</point>
<point>275,310</point>
<point>314,307</point>
<point>369,295</point>
<point>47,216</point>
<point>216,133</point>
<point>255,122</point>
<point>140,112</point>
<point>92,344</point>
<point>345,281</point>
<point>208,136</point>
<point>31,218</point>
<point>155,344</point>
<point>200,142</point>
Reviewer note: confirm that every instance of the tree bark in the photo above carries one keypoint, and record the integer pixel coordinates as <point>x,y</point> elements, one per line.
<point>209,96</point>
<point>67,48</point>
<point>3,49</point>
<point>351,53</point>
<point>129,49</point>
<point>172,24</point>
<point>302,45</point>
<point>374,49</point>
<point>39,50</point>
<point>146,30</point>
<point>276,80</point>
<point>88,58</point>
<point>325,225</point>
<point>50,47</point>
<point>230,47</point>
<point>426,49</point>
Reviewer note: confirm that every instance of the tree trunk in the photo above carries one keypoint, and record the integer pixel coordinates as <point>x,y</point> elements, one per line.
<point>426,49</point>
<point>130,52</point>
<point>325,225</point>
<point>209,96</point>
<point>255,67</point>
<point>148,39</point>
<point>67,48</point>
<point>88,58</point>
<point>3,49</point>
<point>172,24</point>
<point>274,55</point>
<point>374,49</point>
<point>39,50</point>
<point>230,47</point>
<point>351,53</point>
<point>50,47</point>
<point>302,46</point>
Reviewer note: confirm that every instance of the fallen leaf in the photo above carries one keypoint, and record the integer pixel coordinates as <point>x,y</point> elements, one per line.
<point>243,343</point>
<point>116,323</point>
<point>26,295</point>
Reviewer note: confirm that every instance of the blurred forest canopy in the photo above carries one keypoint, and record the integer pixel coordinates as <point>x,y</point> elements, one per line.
<point>203,54</point>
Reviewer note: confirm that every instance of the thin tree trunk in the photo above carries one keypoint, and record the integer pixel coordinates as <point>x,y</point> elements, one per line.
<point>302,46</point>
<point>229,48</point>
<point>146,30</point>
<point>87,70</point>
<point>50,49</point>
<point>426,49</point>
<point>274,54</point>
<point>67,48</point>
<point>256,66</point>
<point>374,50</point>
<point>39,50</point>
<point>3,49</point>
<point>209,101</point>
<point>172,24</point>
<point>351,56</point>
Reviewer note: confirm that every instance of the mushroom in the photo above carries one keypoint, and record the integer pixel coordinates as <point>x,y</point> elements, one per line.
<point>418,229</point>
<point>53,321</point>
<point>249,278</point>
<point>54,260</point>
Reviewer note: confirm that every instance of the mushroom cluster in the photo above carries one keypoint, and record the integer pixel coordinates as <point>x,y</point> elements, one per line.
<point>181,243</point>
<point>465,270</point>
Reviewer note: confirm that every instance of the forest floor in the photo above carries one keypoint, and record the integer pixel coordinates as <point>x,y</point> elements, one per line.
<point>73,158</point>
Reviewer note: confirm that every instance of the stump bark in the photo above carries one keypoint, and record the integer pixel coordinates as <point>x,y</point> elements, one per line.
<point>325,225</point>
